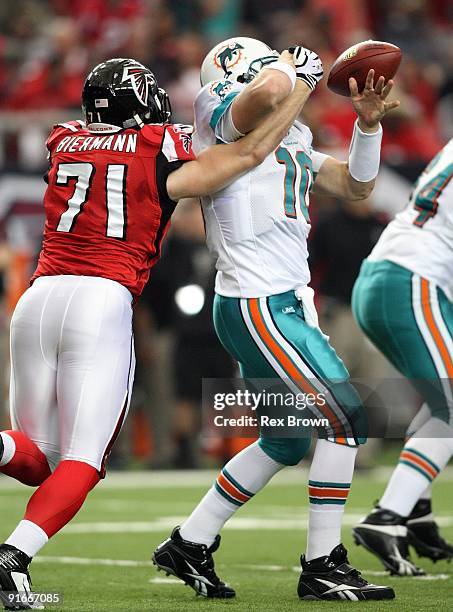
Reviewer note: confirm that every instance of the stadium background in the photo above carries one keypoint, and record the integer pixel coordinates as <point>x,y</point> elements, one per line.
<point>46,49</point>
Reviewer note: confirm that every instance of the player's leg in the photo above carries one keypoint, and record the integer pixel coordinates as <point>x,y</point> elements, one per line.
<point>263,353</point>
<point>32,445</point>
<point>285,322</point>
<point>429,448</point>
<point>407,324</point>
<point>422,529</point>
<point>94,376</point>
<point>240,479</point>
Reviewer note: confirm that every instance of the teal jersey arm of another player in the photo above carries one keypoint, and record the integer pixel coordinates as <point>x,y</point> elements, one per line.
<point>429,188</point>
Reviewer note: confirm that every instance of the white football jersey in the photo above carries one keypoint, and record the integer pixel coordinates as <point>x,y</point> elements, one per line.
<point>257,228</point>
<point>420,238</point>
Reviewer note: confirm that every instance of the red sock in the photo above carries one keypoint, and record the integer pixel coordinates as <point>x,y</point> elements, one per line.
<point>29,464</point>
<point>61,496</point>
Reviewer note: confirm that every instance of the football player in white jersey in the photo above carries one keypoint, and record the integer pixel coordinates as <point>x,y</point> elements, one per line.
<point>403,301</point>
<point>264,314</point>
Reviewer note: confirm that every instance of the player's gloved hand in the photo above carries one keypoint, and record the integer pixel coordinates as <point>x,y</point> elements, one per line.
<point>308,66</point>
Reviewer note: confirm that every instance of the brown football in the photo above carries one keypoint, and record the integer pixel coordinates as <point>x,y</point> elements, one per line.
<point>356,61</point>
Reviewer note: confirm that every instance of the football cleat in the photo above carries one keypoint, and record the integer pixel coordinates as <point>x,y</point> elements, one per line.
<point>15,583</point>
<point>332,578</point>
<point>2,448</point>
<point>193,564</point>
<point>425,538</point>
<point>384,534</point>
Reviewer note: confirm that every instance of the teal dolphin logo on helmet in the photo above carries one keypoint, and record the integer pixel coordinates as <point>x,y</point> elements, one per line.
<point>228,57</point>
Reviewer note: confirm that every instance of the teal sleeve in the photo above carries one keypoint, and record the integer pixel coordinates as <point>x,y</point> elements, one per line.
<point>221,108</point>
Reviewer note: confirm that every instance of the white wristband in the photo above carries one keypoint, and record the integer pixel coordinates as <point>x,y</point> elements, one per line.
<point>364,154</point>
<point>287,69</point>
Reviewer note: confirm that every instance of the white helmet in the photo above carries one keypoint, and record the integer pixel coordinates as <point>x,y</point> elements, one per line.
<point>236,59</point>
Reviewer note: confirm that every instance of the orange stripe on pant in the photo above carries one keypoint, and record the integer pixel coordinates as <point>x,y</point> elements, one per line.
<point>432,326</point>
<point>290,369</point>
<point>231,490</point>
<point>418,461</point>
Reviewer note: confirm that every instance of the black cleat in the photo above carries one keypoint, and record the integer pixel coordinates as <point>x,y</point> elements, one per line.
<point>384,534</point>
<point>424,536</point>
<point>193,564</point>
<point>14,578</point>
<point>423,533</point>
<point>2,448</point>
<point>332,578</point>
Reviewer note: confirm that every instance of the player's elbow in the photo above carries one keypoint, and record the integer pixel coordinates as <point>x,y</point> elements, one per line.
<point>266,95</point>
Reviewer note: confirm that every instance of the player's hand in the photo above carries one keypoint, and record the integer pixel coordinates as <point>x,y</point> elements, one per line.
<point>287,58</point>
<point>371,105</point>
<point>308,66</point>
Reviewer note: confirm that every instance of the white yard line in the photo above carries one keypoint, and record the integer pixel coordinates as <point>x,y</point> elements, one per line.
<point>235,524</point>
<point>90,561</point>
<point>167,580</point>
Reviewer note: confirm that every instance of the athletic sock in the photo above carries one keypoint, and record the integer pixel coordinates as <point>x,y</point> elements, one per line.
<point>423,457</point>
<point>53,505</point>
<point>22,459</point>
<point>330,478</point>
<point>246,474</point>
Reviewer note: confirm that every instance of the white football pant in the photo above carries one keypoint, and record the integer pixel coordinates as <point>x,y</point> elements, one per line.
<point>72,366</point>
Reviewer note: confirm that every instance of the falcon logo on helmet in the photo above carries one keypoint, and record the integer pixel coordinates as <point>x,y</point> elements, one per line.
<point>141,80</point>
<point>228,57</point>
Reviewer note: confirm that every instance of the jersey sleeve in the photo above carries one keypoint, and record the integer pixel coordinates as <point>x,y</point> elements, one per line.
<point>176,149</point>
<point>177,143</point>
<point>317,160</point>
<point>213,110</point>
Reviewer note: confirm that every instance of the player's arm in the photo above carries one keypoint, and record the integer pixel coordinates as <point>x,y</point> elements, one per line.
<point>354,179</point>
<point>219,165</point>
<point>273,84</point>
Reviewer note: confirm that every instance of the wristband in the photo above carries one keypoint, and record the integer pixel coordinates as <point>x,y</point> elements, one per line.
<point>364,154</point>
<point>287,69</point>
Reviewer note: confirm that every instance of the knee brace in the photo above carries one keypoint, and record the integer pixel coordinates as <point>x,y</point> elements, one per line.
<point>287,451</point>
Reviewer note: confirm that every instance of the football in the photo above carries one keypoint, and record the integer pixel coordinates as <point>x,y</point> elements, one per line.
<point>356,62</point>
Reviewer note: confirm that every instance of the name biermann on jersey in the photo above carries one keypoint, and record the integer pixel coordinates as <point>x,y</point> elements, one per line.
<point>123,143</point>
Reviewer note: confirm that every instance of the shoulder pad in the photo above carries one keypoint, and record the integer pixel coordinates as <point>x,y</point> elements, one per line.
<point>68,128</point>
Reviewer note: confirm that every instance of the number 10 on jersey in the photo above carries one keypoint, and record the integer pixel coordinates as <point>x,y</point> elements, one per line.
<point>298,181</point>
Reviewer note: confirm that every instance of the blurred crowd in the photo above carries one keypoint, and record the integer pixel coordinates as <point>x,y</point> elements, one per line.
<point>46,49</point>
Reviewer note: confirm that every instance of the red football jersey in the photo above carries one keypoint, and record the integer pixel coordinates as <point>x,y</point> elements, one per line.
<point>107,207</point>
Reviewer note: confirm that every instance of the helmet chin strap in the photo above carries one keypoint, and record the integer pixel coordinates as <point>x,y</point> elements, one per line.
<point>133,122</point>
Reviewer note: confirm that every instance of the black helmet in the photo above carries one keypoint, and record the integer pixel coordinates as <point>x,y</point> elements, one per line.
<point>125,93</point>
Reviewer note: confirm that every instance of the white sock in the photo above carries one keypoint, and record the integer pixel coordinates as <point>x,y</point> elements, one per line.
<point>329,483</point>
<point>9,448</point>
<point>427,493</point>
<point>246,474</point>
<point>423,457</point>
<point>28,537</point>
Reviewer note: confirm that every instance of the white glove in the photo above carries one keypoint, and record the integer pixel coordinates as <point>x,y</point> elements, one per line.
<point>308,66</point>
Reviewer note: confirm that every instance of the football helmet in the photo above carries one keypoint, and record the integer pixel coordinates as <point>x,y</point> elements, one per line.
<point>236,59</point>
<point>124,93</point>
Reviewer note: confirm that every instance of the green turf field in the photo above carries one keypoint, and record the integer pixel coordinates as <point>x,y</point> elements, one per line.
<point>101,561</point>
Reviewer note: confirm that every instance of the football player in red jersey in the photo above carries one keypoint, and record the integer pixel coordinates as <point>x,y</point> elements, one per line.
<point>113,183</point>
